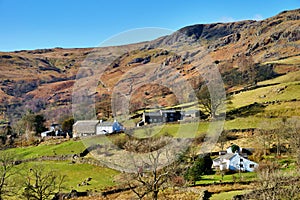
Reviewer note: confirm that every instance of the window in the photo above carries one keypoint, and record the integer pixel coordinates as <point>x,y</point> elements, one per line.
<point>251,166</point>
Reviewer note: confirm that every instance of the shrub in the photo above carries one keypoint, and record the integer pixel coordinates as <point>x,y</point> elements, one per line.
<point>201,166</point>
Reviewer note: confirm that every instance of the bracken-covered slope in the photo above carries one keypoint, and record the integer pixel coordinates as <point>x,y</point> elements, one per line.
<point>148,74</point>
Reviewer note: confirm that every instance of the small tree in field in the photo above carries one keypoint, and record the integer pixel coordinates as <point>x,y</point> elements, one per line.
<point>211,94</point>
<point>41,184</point>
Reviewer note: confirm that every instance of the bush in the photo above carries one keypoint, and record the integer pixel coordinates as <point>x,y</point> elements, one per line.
<point>235,148</point>
<point>201,166</point>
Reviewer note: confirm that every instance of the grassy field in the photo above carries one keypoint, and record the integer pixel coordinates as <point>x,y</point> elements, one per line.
<point>287,61</point>
<point>227,195</point>
<point>77,173</point>
<point>290,77</point>
<point>288,109</point>
<point>249,176</point>
<point>64,148</point>
<point>281,92</point>
<point>251,122</point>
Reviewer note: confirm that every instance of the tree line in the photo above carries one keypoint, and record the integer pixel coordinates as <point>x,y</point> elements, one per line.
<point>31,125</point>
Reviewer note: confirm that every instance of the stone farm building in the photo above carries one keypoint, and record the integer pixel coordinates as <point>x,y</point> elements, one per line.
<point>95,127</point>
<point>162,116</point>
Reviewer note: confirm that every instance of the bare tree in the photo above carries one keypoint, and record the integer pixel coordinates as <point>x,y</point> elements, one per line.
<point>223,139</point>
<point>42,184</point>
<point>274,183</point>
<point>292,133</point>
<point>210,102</point>
<point>150,178</point>
<point>155,166</point>
<point>264,139</point>
<point>272,136</point>
<point>7,174</point>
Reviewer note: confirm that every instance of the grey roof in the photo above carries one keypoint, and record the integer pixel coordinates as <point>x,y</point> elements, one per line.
<point>227,156</point>
<point>168,111</point>
<point>154,114</point>
<point>85,126</point>
<point>159,113</point>
<point>107,123</point>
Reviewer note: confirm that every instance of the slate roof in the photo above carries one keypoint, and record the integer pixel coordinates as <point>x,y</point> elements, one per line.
<point>106,124</point>
<point>154,114</point>
<point>227,156</point>
<point>168,111</point>
<point>85,126</point>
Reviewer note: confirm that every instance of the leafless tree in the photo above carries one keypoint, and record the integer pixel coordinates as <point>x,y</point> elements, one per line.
<point>8,173</point>
<point>274,135</point>
<point>222,139</point>
<point>42,184</point>
<point>263,139</point>
<point>151,178</point>
<point>292,134</point>
<point>210,102</point>
<point>274,183</point>
<point>155,166</point>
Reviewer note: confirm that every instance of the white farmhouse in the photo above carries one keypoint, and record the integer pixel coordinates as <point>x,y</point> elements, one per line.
<point>95,127</point>
<point>234,162</point>
<point>108,127</point>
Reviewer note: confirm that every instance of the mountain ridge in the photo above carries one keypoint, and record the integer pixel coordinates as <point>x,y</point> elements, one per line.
<point>48,75</point>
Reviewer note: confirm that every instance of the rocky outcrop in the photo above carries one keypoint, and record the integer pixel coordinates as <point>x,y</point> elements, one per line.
<point>208,32</point>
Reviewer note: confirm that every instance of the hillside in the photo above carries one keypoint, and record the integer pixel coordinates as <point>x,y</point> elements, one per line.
<point>42,80</point>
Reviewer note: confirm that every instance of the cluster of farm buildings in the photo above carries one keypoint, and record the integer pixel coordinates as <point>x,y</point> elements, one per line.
<point>99,127</point>
<point>227,160</point>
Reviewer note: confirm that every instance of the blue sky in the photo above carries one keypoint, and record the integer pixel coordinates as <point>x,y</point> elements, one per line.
<point>33,24</point>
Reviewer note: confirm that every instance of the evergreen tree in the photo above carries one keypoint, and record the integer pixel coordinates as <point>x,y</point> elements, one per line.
<point>201,166</point>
